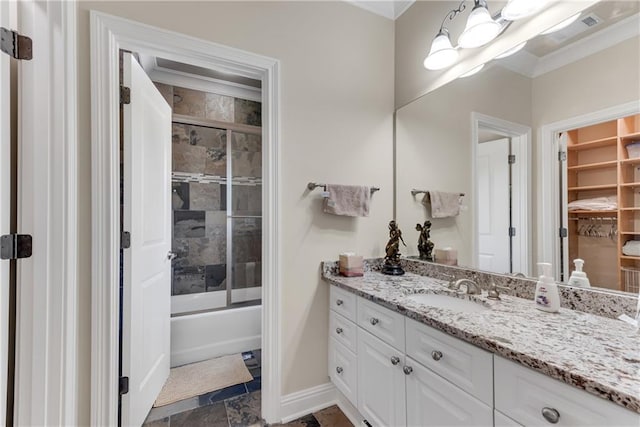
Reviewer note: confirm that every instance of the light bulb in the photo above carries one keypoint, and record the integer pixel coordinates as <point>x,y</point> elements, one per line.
<point>511,51</point>
<point>561,25</point>
<point>518,9</point>
<point>480,29</point>
<point>442,53</point>
<point>473,71</point>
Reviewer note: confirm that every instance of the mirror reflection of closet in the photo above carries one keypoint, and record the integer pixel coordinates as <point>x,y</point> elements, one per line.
<point>601,217</point>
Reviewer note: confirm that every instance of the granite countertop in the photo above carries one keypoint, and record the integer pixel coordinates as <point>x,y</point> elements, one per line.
<point>597,354</point>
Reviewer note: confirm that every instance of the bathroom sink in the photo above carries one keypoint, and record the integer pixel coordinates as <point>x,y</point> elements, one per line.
<point>448,302</point>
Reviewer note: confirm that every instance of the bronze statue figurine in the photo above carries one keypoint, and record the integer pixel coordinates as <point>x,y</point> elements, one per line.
<point>391,264</point>
<point>425,246</point>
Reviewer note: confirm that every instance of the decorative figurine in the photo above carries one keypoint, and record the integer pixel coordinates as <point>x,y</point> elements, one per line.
<point>391,264</point>
<point>425,246</point>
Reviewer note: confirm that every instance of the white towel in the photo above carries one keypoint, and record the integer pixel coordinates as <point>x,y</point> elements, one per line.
<point>443,205</point>
<point>596,204</point>
<point>348,200</point>
<point>631,248</point>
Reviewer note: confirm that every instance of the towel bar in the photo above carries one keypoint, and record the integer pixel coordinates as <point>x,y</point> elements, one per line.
<point>313,185</point>
<point>414,192</point>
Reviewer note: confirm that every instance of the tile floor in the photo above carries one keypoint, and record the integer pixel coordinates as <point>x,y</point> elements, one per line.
<point>235,406</point>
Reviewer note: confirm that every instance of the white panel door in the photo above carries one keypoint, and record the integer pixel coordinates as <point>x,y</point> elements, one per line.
<point>381,393</point>
<point>5,211</point>
<point>434,401</point>
<point>147,269</point>
<point>492,168</point>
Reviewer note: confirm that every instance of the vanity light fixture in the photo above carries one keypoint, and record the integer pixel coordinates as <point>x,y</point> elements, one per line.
<point>472,71</point>
<point>480,29</point>
<point>563,24</point>
<point>442,53</point>
<point>511,51</point>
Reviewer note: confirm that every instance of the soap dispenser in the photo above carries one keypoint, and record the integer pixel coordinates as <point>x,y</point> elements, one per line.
<point>579,277</point>
<point>547,297</point>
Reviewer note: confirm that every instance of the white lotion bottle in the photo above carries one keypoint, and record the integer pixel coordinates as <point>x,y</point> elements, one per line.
<point>547,297</point>
<point>579,277</point>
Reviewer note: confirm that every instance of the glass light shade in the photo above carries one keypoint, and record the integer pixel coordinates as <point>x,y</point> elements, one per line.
<point>518,9</point>
<point>561,25</point>
<point>511,51</point>
<point>473,71</point>
<point>442,53</point>
<point>480,29</point>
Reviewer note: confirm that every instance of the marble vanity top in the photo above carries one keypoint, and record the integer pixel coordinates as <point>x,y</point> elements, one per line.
<point>597,354</point>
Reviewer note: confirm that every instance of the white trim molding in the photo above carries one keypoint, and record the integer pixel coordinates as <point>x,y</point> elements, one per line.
<point>47,347</point>
<point>304,402</point>
<point>521,145</point>
<point>109,34</point>
<point>549,220</point>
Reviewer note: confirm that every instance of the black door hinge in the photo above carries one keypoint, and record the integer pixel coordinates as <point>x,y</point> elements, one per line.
<point>562,156</point>
<point>125,240</point>
<point>512,159</point>
<point>125,95</point>
<point>512,231</point>
<point>15,246</point>
<point>563,232</point>
<point>124,385</point>
<point>16,45</point>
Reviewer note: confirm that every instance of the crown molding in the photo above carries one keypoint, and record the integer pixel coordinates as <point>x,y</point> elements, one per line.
<point>389,9</point>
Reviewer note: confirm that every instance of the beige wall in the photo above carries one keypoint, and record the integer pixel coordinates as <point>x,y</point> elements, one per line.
<point>336,117</point>
<point>417,27</point>
<point>433,149</point>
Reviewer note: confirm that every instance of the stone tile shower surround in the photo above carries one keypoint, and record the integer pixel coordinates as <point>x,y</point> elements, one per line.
<point>199,193</point>
<point>592,301</point>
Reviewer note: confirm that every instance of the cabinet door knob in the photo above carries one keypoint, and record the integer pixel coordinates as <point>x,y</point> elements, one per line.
<point>374,321</point>
<point>339,369</point>
<point>407,370</point>
<point>338,331</point>
<point>339,302</point>
<point>551,415</point>
<point>436,355</point>
<point>395,360</point>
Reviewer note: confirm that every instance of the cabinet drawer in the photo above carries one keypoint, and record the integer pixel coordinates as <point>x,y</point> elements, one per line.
<point>522,394</point>
<point>465,365</point>
<point>343,330</point>
<point>343,302</point>
<point>501,420</point>
<point>343,370</point>
<point>381,322</point>
<point>433,401</point>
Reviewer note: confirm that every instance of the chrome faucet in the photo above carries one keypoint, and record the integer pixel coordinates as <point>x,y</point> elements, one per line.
<point>472,287</point>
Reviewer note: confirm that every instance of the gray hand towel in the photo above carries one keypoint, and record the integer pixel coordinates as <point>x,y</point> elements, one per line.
<point>443,205</point>
<point>348,200</point>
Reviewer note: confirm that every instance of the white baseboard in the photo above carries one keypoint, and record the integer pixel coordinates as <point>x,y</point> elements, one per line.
<point>301,403</point>
<point>304,402</point>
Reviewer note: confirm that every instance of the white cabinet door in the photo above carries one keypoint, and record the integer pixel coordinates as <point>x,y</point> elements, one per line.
<point>434,401</point>
<point>147,269</point>
<point>501,420</point>
<point>381,389</point>
<point>343,370</point>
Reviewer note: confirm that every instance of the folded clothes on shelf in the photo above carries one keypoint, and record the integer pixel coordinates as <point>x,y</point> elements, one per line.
<point>631,248</point>
<point>609,203</point>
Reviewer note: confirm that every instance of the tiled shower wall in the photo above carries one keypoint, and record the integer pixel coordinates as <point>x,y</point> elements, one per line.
<point>199,185</point>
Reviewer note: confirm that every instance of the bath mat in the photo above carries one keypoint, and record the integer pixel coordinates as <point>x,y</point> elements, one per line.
<point>203,377</point>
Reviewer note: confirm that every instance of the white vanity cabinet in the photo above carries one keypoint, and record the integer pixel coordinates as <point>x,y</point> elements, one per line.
<point>533,399</point>
<point>343,367</point>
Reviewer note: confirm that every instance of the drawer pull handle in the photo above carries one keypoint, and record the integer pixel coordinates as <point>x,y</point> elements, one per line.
<point>436,355</point>
<point>339,369</point>
<point>339,302</point>
<point>374,321</point>
<point>407,370</point>
<point>395,360</point>
<point>338,331</point>
<point>551,415</point>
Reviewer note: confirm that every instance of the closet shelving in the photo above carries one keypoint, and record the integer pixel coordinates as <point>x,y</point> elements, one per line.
<point>598,165</point>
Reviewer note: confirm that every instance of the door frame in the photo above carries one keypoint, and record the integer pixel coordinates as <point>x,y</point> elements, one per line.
<point>109,34</point>
<point>549,177</point>
<point>521,147</point>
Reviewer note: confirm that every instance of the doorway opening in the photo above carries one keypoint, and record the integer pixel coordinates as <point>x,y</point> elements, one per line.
<point>501,193</point>
<point>110,35</point>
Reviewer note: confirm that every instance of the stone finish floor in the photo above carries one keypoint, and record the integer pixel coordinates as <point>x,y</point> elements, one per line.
<point>235,406</point>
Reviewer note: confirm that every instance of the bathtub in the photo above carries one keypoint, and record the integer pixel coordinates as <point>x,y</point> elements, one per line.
<point>202,336</point>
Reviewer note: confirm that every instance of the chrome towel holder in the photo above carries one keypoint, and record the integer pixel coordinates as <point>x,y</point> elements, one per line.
<point>313,185</point>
